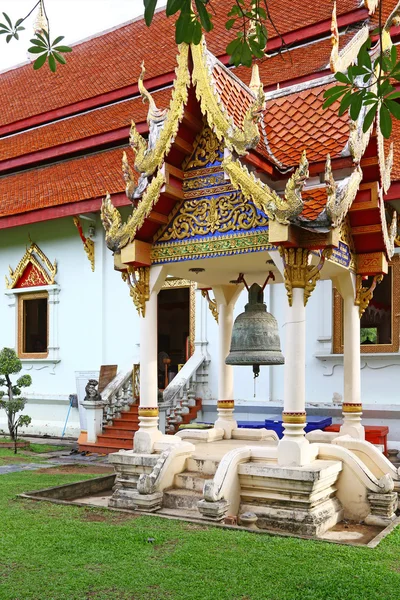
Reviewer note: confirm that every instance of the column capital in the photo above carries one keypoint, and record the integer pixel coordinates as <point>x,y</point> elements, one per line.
<point>138,280</point>
<point>298,273</point>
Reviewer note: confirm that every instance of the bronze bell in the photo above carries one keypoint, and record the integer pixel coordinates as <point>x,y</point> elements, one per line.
<point>255,339</point>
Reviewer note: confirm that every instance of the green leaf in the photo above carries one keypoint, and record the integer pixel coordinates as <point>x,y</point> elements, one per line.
<point>52,63</point>
<point>393,107</point>
<point>38,43</point>
<point>184,29</point>
<point>9,38</point>
<point>197,33</point>
<point>205,17</point>
<point>369,117</point>
<point>256,50</point>
<point>385,121</point>
<point>58,40</point>
<point>246,57</point>
<point>173,6</point>
<point>36,50</point>
<point>334,90</point>
<point>149,8</point>
<point>345,102</point>
<point>62,48</point>
<point>39,62</point>
<point>355,107</point>
<point>59,58</point>
<point>229,24</point>
<point>7,18</point>
<point>231,47</point>
<point>342,78</point>
<point>393,96</point>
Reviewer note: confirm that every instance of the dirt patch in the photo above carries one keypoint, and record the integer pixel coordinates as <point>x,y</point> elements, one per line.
<point>350,533</point>
<point>194,527</point>
<point>77,470</point>
<point>20,458</point>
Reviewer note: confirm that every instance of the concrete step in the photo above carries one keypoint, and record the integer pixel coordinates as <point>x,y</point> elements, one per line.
<point>179,498</point>
<point>191,480</point>
<point>126,420</point>
<point>113,436</point>
<point>120,431</point>
<point>207,466</point>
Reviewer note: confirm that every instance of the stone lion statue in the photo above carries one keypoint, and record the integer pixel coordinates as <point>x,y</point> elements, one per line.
<point>92,393</point>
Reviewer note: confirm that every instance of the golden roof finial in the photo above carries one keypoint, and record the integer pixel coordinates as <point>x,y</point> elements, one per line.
<point>255,81</point>
<point>334,41</point>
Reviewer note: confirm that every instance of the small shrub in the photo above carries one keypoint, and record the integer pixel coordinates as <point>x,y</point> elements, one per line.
<point>10,399</point>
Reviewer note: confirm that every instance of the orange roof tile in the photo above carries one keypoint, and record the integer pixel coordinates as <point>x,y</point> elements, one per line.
<point>101,120</point>
<point>69,181</point>
<point>314,203</point>
<point>297,122</point>
<point>234,95</point>
<point>112,61</point>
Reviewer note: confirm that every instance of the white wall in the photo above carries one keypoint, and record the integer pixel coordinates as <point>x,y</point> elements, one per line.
<point>96,318</point>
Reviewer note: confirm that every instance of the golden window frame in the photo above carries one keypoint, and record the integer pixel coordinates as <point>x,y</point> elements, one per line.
<point>371,348</point>
<point>186,283</point>
<point>21,299</point>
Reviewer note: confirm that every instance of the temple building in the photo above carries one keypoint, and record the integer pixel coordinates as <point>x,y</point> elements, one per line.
<point>145,199</point>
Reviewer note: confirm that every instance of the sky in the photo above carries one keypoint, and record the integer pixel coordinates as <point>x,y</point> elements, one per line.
<point>75,19</point>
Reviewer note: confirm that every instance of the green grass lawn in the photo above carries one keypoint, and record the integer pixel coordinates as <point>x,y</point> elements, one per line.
<point>7,457</point>
<point>52,552</point>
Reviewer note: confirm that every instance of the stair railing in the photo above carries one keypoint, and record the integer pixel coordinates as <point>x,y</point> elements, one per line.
<point>119,395</point>
<point>180,395</point>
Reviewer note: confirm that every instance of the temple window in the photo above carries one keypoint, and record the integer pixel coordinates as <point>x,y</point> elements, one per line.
<point>33,299</point>
<point>33,329</point>
<point>379,325</point>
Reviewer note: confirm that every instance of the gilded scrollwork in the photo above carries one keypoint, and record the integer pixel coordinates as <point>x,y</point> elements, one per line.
<point>202,182</point>
<point>88,243</point>
<point>212,304</point>
<point>37,259</point>
<point>119,234</point>
<point>163,124</point>
<point>214,213</point>
<point>218,118</point>
<point>138,279</point>
<point>299,273</point>
<point>364,294</point>
<point>385,163</point>
<point>207,149</point>
<point>283,209</point>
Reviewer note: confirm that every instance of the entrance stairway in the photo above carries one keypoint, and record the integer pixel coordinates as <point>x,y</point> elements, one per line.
<point>119,435</point>
<point>182,498</point>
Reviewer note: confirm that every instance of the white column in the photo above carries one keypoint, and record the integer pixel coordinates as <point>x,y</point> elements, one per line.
<point>148,405</point>
<point>352,406</point>
<point>293,449</point>
<point>226,297</point>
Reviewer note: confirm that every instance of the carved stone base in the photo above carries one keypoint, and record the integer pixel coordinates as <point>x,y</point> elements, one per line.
<point>292,499</point>
<point>128,466</point>
<point>216,511</point>
<point>131,499</point>
<point>383,509</point>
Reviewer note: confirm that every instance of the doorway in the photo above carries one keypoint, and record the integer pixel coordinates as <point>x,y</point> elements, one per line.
<point>174,331</point>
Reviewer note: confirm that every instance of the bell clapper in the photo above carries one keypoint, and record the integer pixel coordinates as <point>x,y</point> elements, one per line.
<point>256,371</point>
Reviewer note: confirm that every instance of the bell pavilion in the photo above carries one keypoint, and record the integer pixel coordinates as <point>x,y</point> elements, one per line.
<point>219,200</point>
<point>229,270</point>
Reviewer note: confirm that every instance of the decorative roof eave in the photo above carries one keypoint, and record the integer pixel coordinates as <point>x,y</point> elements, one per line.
<point>340,61</point>
<point>389,233</point>
<point>163,125</point>
<point>119,234</point>
<point>385,163</point>
<point>340,196</point>
<point>235,139</point>
<point>283,209</point>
